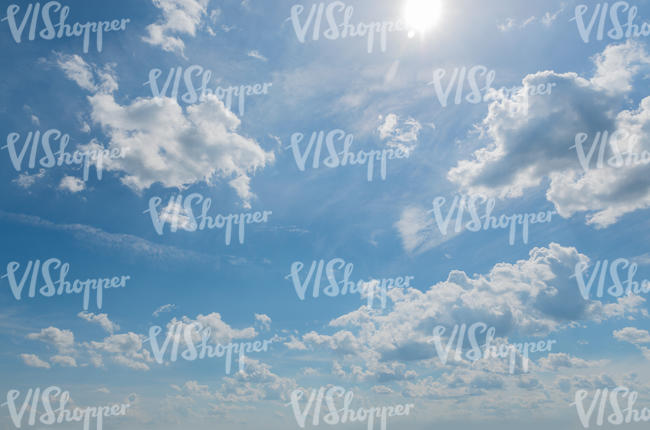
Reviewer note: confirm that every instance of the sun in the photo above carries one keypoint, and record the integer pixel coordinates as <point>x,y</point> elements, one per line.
<point>421,15</point>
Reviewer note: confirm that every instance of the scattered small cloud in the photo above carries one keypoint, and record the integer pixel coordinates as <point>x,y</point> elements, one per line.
<point>256,54</point>
<point>32,360</point>
<point>163,309</point>
<point>72,184</point>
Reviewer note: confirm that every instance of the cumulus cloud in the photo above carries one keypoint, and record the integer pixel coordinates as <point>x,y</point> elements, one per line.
<point>257,382</point>
<point>32,360</point>
<point>264,320</point>
<point>176,148</point>
<point>62,340</point>
<point>88,77</point>
<point>632,335</point>
<point>555,361</point>
<point>101,319</point>
<point>25,180</point>
<point>455,384</point>
<point>295,344</point>
<point>220,331</point>
<point>72,184</point>
<point>64,360</point>
<point>532,297</point>
<point>524,150</point>
<point>125,349</point>
<point>579,382</point>
<point>180,17</point>
<point>636,337</point>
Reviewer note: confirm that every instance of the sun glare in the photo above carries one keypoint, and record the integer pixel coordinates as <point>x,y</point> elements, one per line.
<point>422,15</point>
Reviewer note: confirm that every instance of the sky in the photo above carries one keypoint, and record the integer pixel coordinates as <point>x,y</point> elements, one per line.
<point>240,152</point>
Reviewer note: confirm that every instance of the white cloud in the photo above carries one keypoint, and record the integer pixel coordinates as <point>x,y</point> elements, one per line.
<point>295,344</point>
<point>508,25</point>
<point>256,54</point>
<point>418,231</point>
<point>382,389</point>
<point>63,340</point>
<point>257,382</point>
<point>549,17</point>
<point>64,360</point>
<point>455,384</point>
<point>101,319</point>
<point>265,320</point>
<point>33,361</point>
<point>555,361</point>
<point>220,331</point>
<point>134,245</point>
<point>511,24</point>
<point>309,371</point>
<point>163,309</point>
<point>524,150</point>
<point>179,17</point>
<point>528,21</point>
<point>617,65</point>
<point>402,134</point>
<point>632,335</point>
<point>529,298</point>
<point>125,349</point>
<point>25,180</point>
<point>176,148</point>
<point>641,260</point>
<point>77,70</point>
<point>72,184</point>
<point>96,359</point>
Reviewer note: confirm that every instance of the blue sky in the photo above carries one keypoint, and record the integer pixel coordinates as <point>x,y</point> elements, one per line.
<point>243,163</point>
